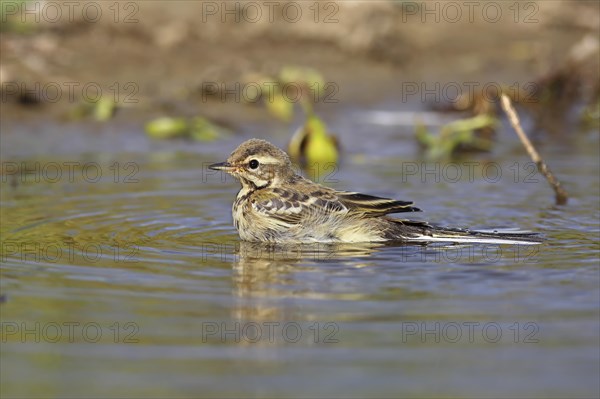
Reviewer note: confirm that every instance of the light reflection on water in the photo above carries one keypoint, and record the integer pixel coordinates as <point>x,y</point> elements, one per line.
<point>155,267</point>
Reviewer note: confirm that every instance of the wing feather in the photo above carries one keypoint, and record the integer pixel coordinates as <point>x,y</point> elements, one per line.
<point>372,206</point>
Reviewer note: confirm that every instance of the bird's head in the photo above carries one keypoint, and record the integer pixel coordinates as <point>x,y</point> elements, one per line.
<point>257,163</point>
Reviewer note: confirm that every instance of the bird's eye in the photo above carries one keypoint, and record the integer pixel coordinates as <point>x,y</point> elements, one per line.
<point>253,164</point>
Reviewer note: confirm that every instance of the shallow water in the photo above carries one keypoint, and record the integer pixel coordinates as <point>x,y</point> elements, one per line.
<point>135,283</point>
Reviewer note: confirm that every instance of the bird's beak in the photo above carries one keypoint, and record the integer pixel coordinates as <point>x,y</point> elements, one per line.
<point>226,166</point>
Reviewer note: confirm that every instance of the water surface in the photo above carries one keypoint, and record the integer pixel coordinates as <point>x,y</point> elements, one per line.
<point>136,284</point>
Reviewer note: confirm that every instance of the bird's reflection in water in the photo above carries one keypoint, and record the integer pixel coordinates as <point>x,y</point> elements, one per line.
<point>280,284</point>
<point>268,277</point>
<point>264,275</point>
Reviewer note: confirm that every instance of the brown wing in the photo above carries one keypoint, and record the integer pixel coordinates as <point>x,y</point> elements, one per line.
<point>291,206</point>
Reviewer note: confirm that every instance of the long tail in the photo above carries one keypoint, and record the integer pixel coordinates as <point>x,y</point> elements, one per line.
<point>420,232</point>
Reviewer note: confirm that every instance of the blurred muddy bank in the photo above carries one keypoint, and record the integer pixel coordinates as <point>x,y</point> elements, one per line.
<point>185,58</point>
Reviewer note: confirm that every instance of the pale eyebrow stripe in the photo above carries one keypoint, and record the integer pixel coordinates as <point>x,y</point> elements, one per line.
<point>262,160</point>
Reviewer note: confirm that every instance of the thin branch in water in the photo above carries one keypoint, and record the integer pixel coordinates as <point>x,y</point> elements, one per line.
<point>559,191</point>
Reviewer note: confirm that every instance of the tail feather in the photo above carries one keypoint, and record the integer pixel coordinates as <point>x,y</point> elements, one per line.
<point>421,232</point>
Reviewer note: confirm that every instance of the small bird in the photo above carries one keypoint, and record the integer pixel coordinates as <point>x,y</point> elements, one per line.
<point>276,205</point>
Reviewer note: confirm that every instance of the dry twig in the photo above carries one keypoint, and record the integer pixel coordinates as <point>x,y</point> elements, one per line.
<point>559,191</point>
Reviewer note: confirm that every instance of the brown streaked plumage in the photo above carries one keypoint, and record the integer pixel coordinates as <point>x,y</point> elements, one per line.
<point>277,205</point>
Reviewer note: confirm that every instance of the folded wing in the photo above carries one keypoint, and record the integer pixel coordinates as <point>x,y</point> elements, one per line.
<point>290,207</point>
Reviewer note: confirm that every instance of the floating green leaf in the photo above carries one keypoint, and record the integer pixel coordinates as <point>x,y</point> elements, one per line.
<point>310,78</point>
<point>293,84</point>
<point>165,127</point>
<point>280,107</point>
<point>459,134</point>
<point>104,109</point>
<point>204,130</point>
<point>313,145</point>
